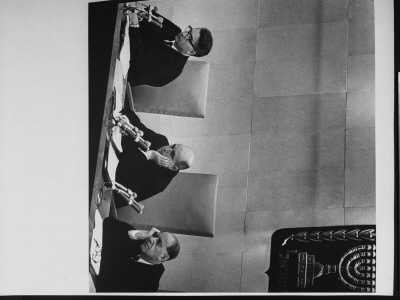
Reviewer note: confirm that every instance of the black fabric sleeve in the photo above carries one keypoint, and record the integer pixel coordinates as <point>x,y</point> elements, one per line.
<point>146,278</point>
<point>150,31</point>
<point>131,162</point>
<point>154,180</point>
<point>136,44</point>
<point>115,231</point>
<point>116,243</point>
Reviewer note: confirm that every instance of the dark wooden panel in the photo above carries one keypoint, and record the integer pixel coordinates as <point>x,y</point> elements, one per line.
<point>102,25</point>
<point>105,20</point>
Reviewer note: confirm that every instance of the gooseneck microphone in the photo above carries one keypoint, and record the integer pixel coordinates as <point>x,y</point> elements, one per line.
<point>147,12</point>
<point>134,132</point>
<point>126,194</point>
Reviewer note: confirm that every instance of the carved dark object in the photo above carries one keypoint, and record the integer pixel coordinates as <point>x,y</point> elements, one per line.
<point>323,259</point>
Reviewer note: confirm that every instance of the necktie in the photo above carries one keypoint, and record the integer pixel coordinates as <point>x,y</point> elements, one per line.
<point>168,43</point>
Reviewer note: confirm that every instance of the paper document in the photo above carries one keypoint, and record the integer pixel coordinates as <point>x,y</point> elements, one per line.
<point>118,101</point>
<point>112,160</point>
<point>97,243</point>
<point>118,79</point>
<point>125,54</point>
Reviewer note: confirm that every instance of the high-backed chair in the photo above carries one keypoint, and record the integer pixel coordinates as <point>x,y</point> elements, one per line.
<point>187,206</point>
<point>185,96</point>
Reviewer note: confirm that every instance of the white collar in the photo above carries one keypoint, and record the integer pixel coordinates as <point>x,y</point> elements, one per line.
<point>173,47</point>
<point>143,261</point>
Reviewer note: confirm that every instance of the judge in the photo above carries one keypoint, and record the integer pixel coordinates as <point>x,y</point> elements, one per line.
<point>132,260</point>
<point>149,173</point>
<point>158,55</point>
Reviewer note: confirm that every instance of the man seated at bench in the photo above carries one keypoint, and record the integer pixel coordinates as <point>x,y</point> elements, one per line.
<point>158,55</point>
<point>149,173</point>
<point>132,260</point>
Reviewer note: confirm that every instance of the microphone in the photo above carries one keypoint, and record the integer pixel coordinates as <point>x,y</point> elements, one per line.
<point>131,130</point>
<point>147,12</point>
<point>126,194</point>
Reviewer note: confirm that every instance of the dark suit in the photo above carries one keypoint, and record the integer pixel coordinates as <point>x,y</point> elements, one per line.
<point>118,270</point>
<point>153,62</point>
<point>134,171</point>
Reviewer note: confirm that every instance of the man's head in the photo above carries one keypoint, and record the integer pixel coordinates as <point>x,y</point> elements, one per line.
<point>161,247</point>
<point>182,156</point>
<point>194,42</point>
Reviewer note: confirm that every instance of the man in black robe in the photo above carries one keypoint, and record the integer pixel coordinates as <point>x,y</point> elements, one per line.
<point>158,55</point>
<point>132,260</point>
<point>149,173</point>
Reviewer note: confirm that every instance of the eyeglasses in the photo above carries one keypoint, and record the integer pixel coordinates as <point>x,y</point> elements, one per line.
<point>188,36</point>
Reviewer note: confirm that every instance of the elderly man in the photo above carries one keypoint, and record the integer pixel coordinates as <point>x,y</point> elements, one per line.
<point>149,173</point>
<point>158,55</point>
<point>132,260</point>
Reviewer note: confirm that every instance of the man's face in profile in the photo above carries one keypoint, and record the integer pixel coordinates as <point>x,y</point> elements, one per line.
<point>155,247</point>
<point>177,153</point>
<point>171,151</point>
<point>185,40</point>
<point>168,151</point>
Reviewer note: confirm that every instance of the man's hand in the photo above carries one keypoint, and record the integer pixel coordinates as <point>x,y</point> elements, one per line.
<point>133,18</point>
<point>123,117</point>
<point>142,234</point>
<point>126,120</point>
<point>160,159</point>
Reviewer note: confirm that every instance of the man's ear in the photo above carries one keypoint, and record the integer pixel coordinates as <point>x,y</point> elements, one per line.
<point>163,257</point>
<point>191,52</point>
<point>173,168</point>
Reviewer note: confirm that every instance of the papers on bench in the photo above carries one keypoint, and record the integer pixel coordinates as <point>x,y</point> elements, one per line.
<point>97,242</point>
<point>120,73</point>
<point>112,160</point>
<point>118,85</point>
<point>125,55</point>
<point>121,68</point>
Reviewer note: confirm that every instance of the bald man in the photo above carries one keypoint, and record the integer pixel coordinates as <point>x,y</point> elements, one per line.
<point>132,260</point>
<point>149,173</point>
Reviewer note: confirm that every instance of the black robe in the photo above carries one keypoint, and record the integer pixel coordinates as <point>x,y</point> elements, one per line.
<point>118,270</point>
<point>134,171</point>
<point>153,62</point>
